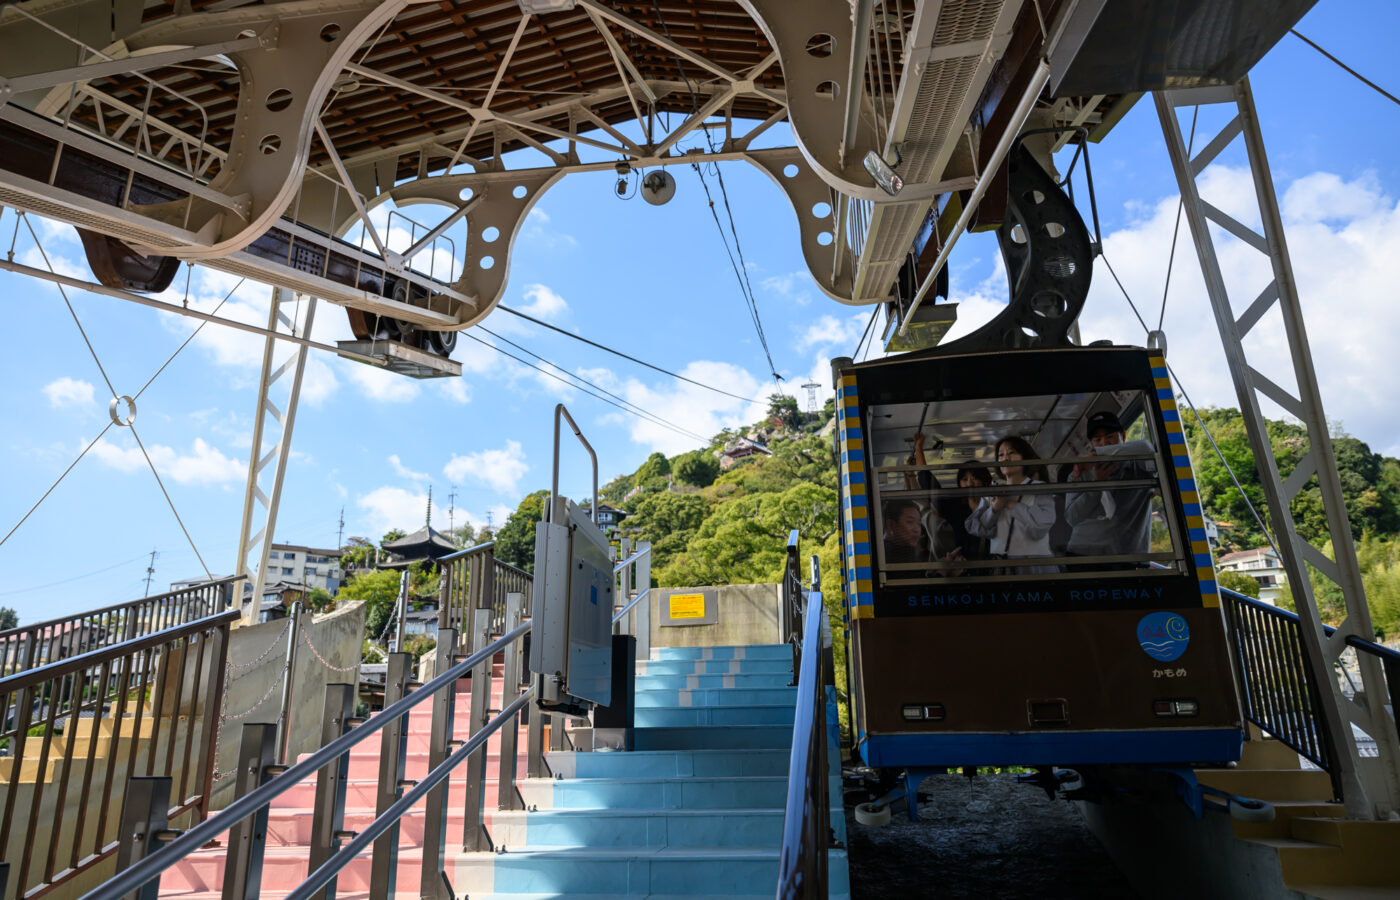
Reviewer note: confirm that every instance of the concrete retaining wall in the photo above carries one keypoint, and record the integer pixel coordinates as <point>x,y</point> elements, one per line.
<point>262,651</point>
<point>743,614</point>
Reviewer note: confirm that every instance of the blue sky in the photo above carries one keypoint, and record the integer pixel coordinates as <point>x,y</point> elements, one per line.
<point>655,282</point>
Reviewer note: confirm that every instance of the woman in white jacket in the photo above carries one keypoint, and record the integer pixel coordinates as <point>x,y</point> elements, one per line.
<point>1017,526</point>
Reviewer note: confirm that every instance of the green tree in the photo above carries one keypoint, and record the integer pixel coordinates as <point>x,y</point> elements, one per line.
<point>393,534</point>
<point>783,411</point>
<point>379,590</point>
<point>8,618</point>
<point>318,599</point>
<point>669,521</point>
<point>699,467</point>
<point>515,542</point>
<point>656,468</point>
<point>1238,582</point>
<point>358,553</point>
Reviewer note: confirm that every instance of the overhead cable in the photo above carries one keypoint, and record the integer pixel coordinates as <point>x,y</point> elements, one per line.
<point>1357,75</point>
<point>607,349</point>
<point>1223,461</point>
<point>605,399</point>
<point>591,384</point>
<point>740,268</point>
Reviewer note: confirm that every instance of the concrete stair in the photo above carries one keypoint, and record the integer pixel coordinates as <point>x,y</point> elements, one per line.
<point>1320,853</point>
<point>696,810</point>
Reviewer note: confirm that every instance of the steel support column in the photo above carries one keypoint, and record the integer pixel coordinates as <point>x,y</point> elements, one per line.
<point>1370,787</point>
<point>266,470</point>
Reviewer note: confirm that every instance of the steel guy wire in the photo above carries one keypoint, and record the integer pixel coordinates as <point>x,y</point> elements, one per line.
<point>187,340</point>
<point>25,517</point>
<point>66,302</point>
<point>1362,78</point>
<point>1229,470</point>
<point>1176,229</point>
<point>176,512</point>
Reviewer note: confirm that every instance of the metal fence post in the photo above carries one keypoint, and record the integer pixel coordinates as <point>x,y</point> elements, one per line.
<point>393,753</point>
<point>439,745</point>
<point>328,810</point>
<point>535,765</point>
<point>642,621</point>
<point>403,613</point>
<point>284,721</point>
<point>507,797</point>
<point>257,751</point>
<point>474,836</point>
<point>144,822</point>
<point>217,647</point>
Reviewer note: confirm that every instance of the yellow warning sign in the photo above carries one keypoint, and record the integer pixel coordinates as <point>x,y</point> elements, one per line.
<point>687,606</point>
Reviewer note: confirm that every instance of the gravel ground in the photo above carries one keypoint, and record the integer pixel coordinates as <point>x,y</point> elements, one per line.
<point>981,837</point>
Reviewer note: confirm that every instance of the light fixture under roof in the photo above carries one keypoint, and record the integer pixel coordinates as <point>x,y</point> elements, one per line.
<point>538,7</point>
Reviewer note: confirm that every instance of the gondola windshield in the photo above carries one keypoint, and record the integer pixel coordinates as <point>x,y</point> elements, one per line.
<point>1025,491</point>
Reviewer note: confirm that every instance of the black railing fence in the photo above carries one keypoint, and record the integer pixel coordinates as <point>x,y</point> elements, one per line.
<point>1278,692</point>
<point>79,729</point>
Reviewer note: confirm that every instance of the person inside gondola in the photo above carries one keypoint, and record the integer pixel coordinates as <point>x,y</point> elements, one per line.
<point>1110,522</point>
<point>973,546</point>
<point>1017,526</point>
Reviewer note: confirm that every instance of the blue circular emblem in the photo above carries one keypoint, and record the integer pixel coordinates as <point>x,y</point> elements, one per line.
<point>1164,636</point>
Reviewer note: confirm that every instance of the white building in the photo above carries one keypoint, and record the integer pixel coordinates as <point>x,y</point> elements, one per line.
<point>309,566</point>
<point>1263,565</point>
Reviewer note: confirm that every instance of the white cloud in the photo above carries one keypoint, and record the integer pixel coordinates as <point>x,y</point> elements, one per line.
<point>536,229</point>
<point>403,471</point>
<point>318,382</point>
<point>795,286</point>
<point>831,331</point>
<point>393,507</point>
<point>501,469</point>
<point>455,389</point>
<point>543,303</point>
<point>383,386</point>
<point>68,392</point>
<point>203,465</point>
<point>691,406</point>
<point>1343,238</point>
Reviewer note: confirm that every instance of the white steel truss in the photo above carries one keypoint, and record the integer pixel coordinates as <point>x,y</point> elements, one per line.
<point>1370,786</point>
<point>267,468</point>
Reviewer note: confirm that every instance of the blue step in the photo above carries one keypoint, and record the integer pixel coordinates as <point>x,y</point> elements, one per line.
<point>712,682</point>
<point>698,716</point>
<point>766,696</point>
<point>695,828</point>
<point>669,763</point>
<point>737,737</point>
<point>709,873</point>
<point>713,666</point>
<point>693,792</point>
<point>755,651</point>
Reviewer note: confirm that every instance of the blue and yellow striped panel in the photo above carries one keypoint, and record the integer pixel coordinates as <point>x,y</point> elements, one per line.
<point>853,499</point>
<point>1185,483</point>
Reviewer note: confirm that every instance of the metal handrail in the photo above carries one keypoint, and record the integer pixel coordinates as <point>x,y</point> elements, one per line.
<point>30,677</point>
<point>617,617</point>
<point>152,866</point>
<point>631,559</point>
<point>382,822</point>
<point>802,862</point>
<point>458,554</point>
<point>119,606</point>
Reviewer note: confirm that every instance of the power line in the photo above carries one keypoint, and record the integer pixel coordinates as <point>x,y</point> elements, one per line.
<point>740,268</point>
<point>591,384</point>
<point>607,349</point>
<point>606,400</point>
<point>1355,74</point>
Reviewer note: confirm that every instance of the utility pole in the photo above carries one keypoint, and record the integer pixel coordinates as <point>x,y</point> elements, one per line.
<point>150,571</point>
<point>340,532</point>
<point>451,508</point>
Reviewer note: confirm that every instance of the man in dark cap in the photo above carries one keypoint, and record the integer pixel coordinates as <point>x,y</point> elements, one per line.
<point>1110,522</point>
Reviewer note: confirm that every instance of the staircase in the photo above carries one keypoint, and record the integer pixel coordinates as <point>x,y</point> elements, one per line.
<point>695,810</point>
<point>1320,853</point>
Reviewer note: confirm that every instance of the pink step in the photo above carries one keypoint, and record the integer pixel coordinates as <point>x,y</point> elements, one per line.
<point>283,869</point>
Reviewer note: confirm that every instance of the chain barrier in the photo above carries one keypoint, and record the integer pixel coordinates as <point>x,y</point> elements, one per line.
<point>306,636</point>
<point>237,667</point>
<point>225,718</point>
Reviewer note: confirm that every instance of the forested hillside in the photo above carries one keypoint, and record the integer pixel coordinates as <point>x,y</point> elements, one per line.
<point>731,527</point>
